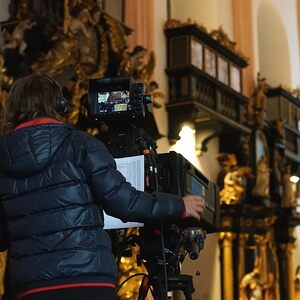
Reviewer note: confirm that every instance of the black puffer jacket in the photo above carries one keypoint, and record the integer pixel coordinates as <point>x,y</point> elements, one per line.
<point>54,182</point>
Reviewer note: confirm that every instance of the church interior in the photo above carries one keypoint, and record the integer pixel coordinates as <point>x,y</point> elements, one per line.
<point>224,78</point>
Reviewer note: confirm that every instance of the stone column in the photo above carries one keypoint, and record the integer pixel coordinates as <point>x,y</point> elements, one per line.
<point>226,244</point>
<point>243,237</point>
<point>288,276</point>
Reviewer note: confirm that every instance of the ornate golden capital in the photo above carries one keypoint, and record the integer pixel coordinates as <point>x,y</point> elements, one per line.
<point>261,240</point>
<point>227,235</point>
<point>288,248</point>
<point>243,237</point>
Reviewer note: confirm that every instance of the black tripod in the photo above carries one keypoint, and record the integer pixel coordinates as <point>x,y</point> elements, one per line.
<point>178,282</point>
<point>132,140</point>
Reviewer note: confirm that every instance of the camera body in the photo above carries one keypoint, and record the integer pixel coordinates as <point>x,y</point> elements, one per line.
<point>121,103</point>
<point>183,178</point>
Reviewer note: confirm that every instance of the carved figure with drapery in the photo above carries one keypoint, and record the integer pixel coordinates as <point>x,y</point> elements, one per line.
<point>235,179</point>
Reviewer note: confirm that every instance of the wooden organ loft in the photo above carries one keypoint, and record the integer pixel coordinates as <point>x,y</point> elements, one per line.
<point>259,151</point>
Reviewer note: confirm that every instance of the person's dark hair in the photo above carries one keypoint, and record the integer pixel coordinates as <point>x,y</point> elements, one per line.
<point>29,98</point>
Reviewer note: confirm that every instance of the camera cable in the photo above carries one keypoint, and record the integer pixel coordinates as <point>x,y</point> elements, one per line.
<point>128,278</point>
<point>152,168</point>
<point>164,260</point>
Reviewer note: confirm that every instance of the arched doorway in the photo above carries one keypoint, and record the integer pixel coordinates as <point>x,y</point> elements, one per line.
<point>274,56</point>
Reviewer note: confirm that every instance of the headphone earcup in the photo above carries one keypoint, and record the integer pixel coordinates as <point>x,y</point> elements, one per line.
<point>61,104</point>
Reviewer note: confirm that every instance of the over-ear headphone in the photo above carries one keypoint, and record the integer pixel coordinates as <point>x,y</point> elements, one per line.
<point>60,104</point>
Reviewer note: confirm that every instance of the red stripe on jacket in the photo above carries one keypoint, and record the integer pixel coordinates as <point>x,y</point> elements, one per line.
<point>65,286</point>
<point>39,122</point>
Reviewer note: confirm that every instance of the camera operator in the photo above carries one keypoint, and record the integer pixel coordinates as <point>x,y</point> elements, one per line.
<point>55,182</point>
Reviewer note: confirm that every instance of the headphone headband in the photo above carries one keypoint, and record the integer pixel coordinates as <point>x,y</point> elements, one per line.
<point>60,104</point>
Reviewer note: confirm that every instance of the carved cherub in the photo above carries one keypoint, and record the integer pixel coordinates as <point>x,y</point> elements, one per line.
<point>80,16</point>
<point>17,36</point>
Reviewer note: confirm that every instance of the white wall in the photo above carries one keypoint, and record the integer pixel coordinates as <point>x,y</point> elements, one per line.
<point>211,14</point>
<point>286,11</point>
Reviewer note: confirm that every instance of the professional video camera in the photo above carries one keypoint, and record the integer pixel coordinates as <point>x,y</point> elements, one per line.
<point>121,103</point>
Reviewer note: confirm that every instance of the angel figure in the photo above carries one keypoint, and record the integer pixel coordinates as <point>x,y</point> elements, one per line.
<point>257,104</point>
<point>68,48</point>
<point>17,37</point>
<point>80,16</point>
<point>135,64</point>
<point>250,286</point>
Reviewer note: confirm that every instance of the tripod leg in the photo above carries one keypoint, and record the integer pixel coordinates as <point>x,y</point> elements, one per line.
<point>188,295</point>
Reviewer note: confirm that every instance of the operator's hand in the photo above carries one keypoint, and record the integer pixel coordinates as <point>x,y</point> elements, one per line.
<point>194,206</point>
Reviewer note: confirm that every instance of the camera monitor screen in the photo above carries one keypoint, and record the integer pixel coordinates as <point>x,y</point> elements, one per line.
<point>112,101</point>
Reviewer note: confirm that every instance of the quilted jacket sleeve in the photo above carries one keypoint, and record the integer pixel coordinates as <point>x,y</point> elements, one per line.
<point>118,198</point>
<point>3,230</point>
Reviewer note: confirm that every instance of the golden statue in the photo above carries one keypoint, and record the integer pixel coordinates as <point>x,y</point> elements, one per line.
<point>235,179</point>
<point>257,104</point>
<point>68,47</point>
<point>62,55</point>
<point>220,36</point>
<point>262,186</point>
<point>135,63</point>
<point>250,286</point>
<point>173,23</point>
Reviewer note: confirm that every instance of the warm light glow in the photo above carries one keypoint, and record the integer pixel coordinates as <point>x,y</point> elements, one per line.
<point>186,131</point>
<point>294,179</point>
<point>186,145</point>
